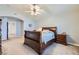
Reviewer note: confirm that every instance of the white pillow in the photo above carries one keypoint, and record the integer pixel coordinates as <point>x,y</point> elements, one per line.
<point>40,29</point>
<point>45,31</point>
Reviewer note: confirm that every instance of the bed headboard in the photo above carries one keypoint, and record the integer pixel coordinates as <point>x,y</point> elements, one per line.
<point>49,28</point>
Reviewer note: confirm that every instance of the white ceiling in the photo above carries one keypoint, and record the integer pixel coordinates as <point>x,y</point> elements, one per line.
<point>49,9</point>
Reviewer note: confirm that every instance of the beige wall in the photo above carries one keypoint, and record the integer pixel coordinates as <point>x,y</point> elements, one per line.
<point>66,22</point>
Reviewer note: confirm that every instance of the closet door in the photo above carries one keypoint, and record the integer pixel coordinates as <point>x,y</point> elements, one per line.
<point>11,29</point>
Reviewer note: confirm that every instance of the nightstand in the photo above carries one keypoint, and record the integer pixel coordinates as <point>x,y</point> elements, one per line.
<point>61,38</point>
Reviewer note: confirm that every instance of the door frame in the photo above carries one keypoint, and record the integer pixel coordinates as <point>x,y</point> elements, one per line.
<point>7,31</point>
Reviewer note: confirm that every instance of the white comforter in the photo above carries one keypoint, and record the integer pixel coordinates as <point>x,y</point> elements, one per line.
<point>47,36</point>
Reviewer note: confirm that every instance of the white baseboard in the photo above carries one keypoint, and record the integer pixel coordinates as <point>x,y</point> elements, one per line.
<point>73,44</point>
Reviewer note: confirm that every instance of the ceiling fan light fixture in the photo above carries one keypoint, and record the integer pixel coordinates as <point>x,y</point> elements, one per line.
<point>34,9</point>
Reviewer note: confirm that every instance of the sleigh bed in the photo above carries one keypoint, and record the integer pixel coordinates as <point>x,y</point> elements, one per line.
<point>40,40</point>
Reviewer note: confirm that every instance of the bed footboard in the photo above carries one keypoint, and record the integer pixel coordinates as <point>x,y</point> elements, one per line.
<point>33,39</point>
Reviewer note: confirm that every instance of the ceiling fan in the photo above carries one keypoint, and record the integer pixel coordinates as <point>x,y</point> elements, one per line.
<point>35,9</point>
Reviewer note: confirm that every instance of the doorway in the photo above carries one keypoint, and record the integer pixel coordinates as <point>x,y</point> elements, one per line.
<point>15,28</point>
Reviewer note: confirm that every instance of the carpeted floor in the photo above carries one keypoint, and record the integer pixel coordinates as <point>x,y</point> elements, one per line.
<point>14,46</point>
<point>59,49</point>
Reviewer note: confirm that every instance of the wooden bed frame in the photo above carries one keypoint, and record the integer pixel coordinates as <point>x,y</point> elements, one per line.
<point>33,39</point>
